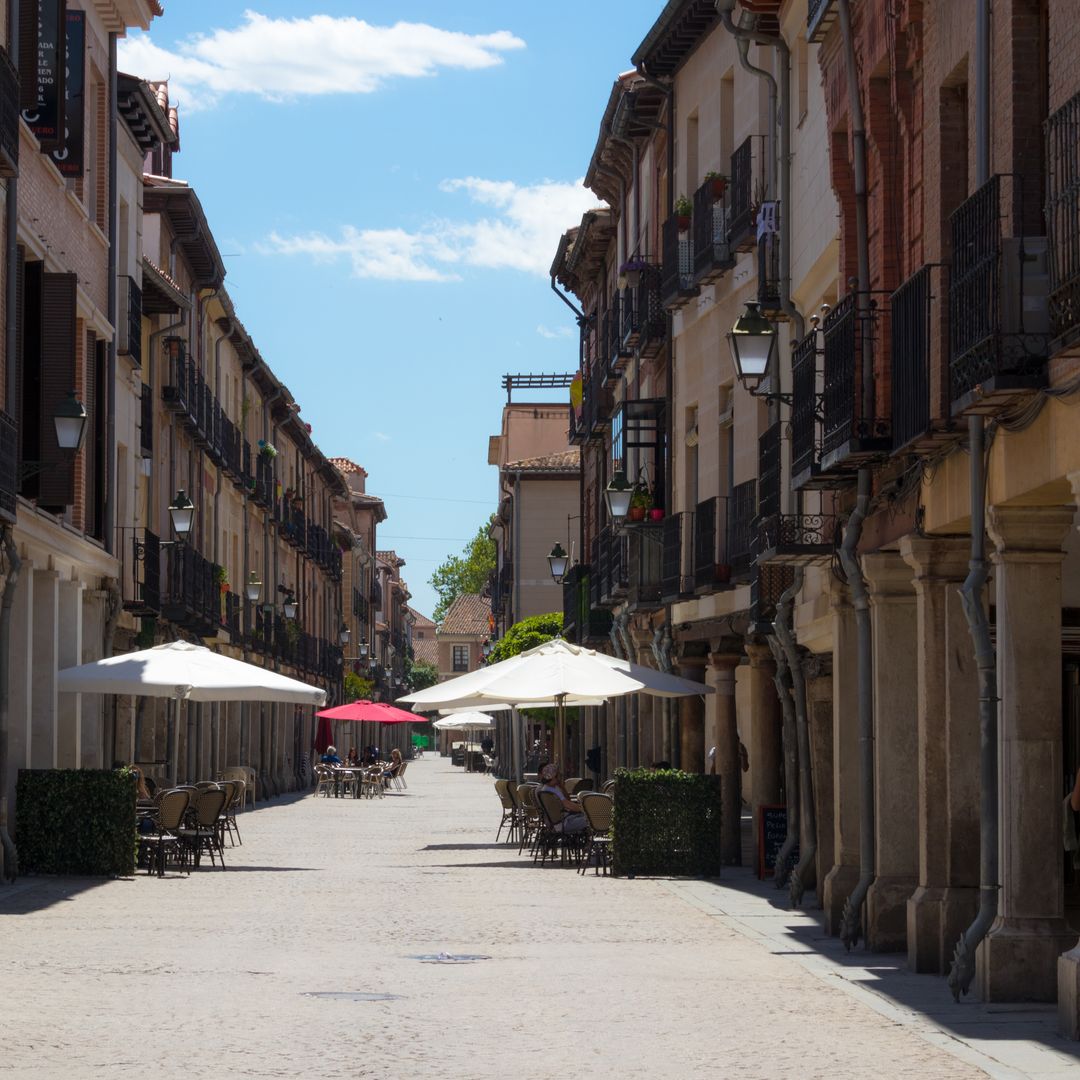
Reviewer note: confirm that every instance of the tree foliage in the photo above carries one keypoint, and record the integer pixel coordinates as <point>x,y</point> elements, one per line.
<point>464,573</point>
<point>419,675</point>
<point>527,634</point>
<point>357,688</point>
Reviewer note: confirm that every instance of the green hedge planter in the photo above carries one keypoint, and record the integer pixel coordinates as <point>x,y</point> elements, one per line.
<point>666,822</point>
<point>76,821</point>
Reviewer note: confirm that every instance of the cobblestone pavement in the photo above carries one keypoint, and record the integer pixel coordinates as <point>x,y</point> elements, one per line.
<point>217,974</point>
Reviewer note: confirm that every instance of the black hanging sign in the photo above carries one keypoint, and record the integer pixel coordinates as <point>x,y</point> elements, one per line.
<point>45,116</point>
<point>69,155</point>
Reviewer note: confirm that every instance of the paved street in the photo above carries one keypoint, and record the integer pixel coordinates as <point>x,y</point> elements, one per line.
<point>217,974</point>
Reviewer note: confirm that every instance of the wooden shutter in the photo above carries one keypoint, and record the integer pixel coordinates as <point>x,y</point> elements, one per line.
<point>13,407</point>
<point>29,15</point>
<point>56,486</point>
<point>101,463</point>
<point>89,456</point>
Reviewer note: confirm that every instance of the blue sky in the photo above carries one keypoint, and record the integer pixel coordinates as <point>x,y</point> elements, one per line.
<point>387,183</point>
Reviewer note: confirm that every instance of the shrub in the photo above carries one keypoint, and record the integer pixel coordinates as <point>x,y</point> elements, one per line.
<point>76,821</point>
<point>666,822</point>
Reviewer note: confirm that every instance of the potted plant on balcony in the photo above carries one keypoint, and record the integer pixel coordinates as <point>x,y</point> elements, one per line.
<point>684,210</point>
<point>631,271</point>
<point>717,184</point>
<point>221,576</point>
<point>267,450</point>
<point>640,503</point>
<point>656,513</point>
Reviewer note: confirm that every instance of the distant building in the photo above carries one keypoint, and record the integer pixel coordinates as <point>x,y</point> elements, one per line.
<point>462,634</point>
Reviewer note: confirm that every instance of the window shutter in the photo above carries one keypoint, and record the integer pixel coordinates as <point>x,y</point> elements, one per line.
<point>14,406</point>
<point>89,457</point>
<point>29,15</point>
<point>56,486</point>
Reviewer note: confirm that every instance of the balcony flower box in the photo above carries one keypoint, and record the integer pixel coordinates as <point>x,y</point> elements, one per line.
<point>631,271</point>
<point>684,210</point>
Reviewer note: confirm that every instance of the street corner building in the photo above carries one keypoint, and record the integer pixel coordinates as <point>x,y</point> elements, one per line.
<point>829,364</point>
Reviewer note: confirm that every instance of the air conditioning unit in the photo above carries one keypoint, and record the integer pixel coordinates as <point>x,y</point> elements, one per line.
<point>1025,286</point>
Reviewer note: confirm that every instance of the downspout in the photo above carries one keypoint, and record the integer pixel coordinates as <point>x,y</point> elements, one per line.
<point>972,595</point>
<point>782,679</point>
<point>111,299</point>
<point>10,860</point>
<point>807,813</point>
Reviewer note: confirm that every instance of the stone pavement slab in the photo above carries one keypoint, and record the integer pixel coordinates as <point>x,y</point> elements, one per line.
<point>265,969</point>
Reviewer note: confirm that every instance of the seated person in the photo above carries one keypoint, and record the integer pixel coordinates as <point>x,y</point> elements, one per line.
<point>487,744</point>
<point>574,821</point>
<point>331,756</point>
<point>353,757</point>
<point>395,766</point>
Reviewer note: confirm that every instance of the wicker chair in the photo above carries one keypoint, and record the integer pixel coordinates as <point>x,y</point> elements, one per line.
<point>598,809</point>
<point>168,821</point>
<point>509,811</point>
<point>608,788</point>
<point>205,834</point>
<point>550,837</point>
<point>235,788</point>
<point>529,816</point>
<point>324,781</point>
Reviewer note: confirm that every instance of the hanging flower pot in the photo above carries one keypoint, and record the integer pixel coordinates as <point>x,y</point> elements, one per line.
<point>631,271</point>
<point>717,185</point>
<point>684,210</point>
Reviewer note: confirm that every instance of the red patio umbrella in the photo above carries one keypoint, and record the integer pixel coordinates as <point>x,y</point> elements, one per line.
<point>374,712</point>
<point>324,736</point>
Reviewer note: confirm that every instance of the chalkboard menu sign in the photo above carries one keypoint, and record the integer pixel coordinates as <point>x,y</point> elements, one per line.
<point>772,832</point>
<point>45,115</point>
<point>69,155</point>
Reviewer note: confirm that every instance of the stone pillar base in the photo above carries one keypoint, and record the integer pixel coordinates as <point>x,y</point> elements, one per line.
<point>936,917</point>
<point>886,913</point>
<point>1068,987</point>
<point>1018,960</point>
<point>840,882</point>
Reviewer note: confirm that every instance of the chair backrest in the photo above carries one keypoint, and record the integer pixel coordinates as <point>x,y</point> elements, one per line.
<point>229,787</point>
<point>502,789</point>
<point>171,808</point>
<point>609,787</point>
<point>526,795</point>
<point>571,785</point>
<point>208,807</point>
<point>598,809</point>
<point>239,788</point>
<point>208,785</point>
<point>551,806</point>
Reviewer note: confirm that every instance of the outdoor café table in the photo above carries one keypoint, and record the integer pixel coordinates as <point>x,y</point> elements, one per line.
<point>345,774</point>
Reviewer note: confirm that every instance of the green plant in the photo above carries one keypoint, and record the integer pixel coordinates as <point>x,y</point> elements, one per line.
<point>144,639</point>
<point>666,822</point>
<point>221,575</point>
<point>292,632</point>
<point>76,821</point>
<point>713,175</point>
<point>683,207</point>
<point>641,499</point>
<point>357,688</point>
<point>527,634</point>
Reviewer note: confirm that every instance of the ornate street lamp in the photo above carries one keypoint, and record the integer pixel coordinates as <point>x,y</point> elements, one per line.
<point>253,589</point>
<point>557,562</point>
<point>617,495</point>
<point>343,635</point>
<point>182,512</point>
<point>70,422</point>
<point>362,649</point>
<point>288,605</point>
<point>753,346</point>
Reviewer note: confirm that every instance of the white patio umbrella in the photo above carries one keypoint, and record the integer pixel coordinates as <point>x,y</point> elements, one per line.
<point>466,721</point>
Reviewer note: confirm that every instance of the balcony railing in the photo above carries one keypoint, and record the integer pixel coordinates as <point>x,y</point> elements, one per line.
<point>742,512</point>
<point>998,303</point>
<point>820,15</point>
<point>264,490</point>
<point>768,284</point>
<point>767,583</point>
<point>146,422</point>
<point>140,568</point>
<point>611,563</point>
<point>1063,219</point>
<point>850,437</point>
<point>677,566</point>
<point>616,350</point>
<point>9,117</point>
<point>192,596</point>
<point>712,221</point>
<point>769,471</point>
<point>910,358</point>
<point>712,570</point>
<point>645,553</point>
<point>804,409</point>
<point>575,591</point>
<point>644,320</point>
<point>796,538</point>
<point>9,467</point>
<point>129,338</point>
<point>677,281</point>
<point>741,233</point>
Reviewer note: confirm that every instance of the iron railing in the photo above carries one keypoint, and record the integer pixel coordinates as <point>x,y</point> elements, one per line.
<point>769,272</point>
<point>133,316</point>
<point>742,512</point>
<point>994,335</point>
<point>645,555</point>
<point>711,566</point>
<point>769,471</point>
<point>1063,217</point>
<point>192,596</point>
<point>146,421</point>
<point>140,569</point>
<point>711,249</point>
<point>796,538</point>
<point>9,467</point>
<point>677,281</point>
<point>910,359</point>
<point>820,15</point>
<point>741,231</point>
<point>677,567</point>
<point>804,440</point>
<point>9,117</point>
<point>612,561</point>
<point>644,322</point>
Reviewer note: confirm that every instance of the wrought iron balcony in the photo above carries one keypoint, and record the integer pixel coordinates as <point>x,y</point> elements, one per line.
<point>644,320</point>
<point>645,554</point>
<point>575,593</point>
<point>999,322</point>
<point>767,584</point>
<point>769,471</point>
<point>617,351</point>
<point>9,467</point>
<point>192,596</point>
<point>796,538</point>
<point>9,117</point>
<point>129,336</point>
<point>610,564</point>
<point>820,15</point>
<point>850,437</point>
<point>677,562</point>
<point>596,404</point>
<point>742,513</point>
<point>713,254</point>
<point>140,569</point>
<point>913,412</point>
<point>805,440</point>
<point>677,280</point>
<point>1063,221</point>
<point>741,234</point>
<point>712,570</point>
<point>146,422</point>
<point>264,489</point>
<point>768,283</point>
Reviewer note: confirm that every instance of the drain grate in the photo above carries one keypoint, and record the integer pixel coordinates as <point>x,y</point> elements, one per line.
<point>449,958</point>
<point>351,995</point>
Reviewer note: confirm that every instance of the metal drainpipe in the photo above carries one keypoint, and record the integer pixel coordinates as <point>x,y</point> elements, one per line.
<point>517,548</point>
<point>962,970</point>
<point>807,812</point>
<point>110,377</point>
<point>782,679</point>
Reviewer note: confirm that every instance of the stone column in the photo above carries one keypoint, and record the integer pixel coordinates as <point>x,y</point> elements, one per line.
<point>692,717</point>
<point>723,733</point>
<point>819,717</point>
<point>1018,960</point>
<point>766,759</point>
<point>1068,966</point>
<point>840,881</point>
<point>892,620</point>
<point>42,739</point>
<point>946,899</point>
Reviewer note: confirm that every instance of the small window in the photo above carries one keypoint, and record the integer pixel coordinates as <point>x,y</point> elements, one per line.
<point>461,658</point>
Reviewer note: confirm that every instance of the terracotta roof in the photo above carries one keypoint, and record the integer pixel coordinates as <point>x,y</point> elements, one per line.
<point>563,461</point>
<point>426,651</point>
<point>468,614</point>
<point>347,465</point>
<point>421,620</point>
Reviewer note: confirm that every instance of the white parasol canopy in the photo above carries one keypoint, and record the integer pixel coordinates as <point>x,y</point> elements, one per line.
<point>555,672</point>
<point>185,672</point>
<point>466,721</point>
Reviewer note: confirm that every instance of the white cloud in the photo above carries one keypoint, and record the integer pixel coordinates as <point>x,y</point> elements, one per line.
<point>558,332</point>
<point>285,58</point>
<point>382,436</point>
<point>520,231</point>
